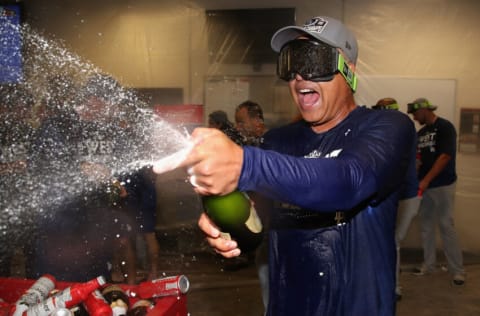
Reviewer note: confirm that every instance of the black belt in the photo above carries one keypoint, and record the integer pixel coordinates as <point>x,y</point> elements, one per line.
<point>298,218</point>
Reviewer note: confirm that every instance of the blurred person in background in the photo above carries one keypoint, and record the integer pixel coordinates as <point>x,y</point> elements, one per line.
<point>73,160</point>
<point>219,120</point>
<point>437,176</point>
<point>140,205</point>
<point>15,131</point>
<point>250,123</point>
<point>16,136</point>
<point>386,104</point>
<point>410,196</point>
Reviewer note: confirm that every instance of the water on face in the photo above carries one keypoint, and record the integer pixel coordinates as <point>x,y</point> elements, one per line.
<point>82,115</point>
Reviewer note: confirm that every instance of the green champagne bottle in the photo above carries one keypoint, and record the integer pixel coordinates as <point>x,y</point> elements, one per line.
<point>236,217</point>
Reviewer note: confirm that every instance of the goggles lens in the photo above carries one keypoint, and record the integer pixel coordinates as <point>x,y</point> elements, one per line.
<point>314,61</point>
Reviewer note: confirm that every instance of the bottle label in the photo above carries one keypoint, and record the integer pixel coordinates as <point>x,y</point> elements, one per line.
<point>253,222</point>
<point>226,236</point>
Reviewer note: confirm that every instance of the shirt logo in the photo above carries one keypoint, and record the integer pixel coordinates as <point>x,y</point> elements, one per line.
<point>428,141</point>
<point>318,154</point>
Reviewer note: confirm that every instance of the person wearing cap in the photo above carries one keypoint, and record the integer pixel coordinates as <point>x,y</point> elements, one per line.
<point>332,178</point>
<point>410,195</point>
<point>437,145</point>
<point>386,104</point>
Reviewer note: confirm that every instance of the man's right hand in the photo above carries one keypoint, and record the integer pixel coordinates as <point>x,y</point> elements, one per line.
<point>214,162</point>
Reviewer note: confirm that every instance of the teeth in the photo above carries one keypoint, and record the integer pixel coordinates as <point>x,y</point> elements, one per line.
<point>306,90</point>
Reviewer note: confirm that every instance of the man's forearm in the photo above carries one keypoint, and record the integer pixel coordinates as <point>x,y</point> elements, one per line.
<point>437,168</point>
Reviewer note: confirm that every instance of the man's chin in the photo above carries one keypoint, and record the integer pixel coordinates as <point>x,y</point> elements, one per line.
<point>308,116</point>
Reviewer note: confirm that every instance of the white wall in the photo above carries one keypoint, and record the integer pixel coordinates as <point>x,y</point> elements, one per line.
<point>163,43</point>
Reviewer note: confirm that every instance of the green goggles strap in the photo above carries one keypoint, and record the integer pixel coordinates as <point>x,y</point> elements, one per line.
<point>347,73</point>
<point>393,106</point>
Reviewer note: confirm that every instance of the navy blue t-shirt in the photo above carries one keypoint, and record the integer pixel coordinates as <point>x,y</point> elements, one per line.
<point>433,140</point>
<point>358,167</point>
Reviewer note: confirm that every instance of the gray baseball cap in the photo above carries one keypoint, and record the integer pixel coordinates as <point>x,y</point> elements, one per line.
<point>325,29</point>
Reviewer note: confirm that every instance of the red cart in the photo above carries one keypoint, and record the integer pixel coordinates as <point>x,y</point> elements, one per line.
<point>12,288</point>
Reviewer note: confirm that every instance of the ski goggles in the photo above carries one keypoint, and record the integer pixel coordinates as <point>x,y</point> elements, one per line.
<point>314,61</point>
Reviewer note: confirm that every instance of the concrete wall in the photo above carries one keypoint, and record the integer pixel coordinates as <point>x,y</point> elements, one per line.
<point>148,43</point>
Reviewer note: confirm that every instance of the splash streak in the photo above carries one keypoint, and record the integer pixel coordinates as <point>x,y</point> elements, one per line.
<point>125,134</point>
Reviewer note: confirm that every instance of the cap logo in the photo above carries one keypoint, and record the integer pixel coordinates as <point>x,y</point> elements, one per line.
<point>315,25</point>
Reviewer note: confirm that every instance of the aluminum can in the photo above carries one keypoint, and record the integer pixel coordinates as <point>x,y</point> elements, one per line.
<point>168,286</point>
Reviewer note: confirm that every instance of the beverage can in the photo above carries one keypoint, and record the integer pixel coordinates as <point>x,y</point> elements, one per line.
<point>167,286</point>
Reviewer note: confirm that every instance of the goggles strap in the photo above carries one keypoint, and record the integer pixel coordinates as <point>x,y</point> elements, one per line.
<point>347,73</point>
